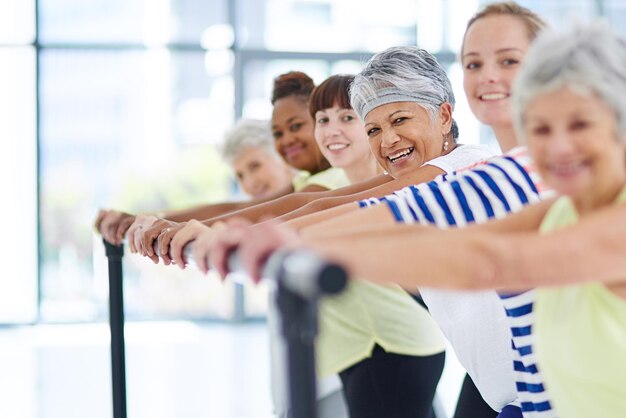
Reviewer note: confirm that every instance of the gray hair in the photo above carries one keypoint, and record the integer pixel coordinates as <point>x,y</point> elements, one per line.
<point>402,74</point>
<point>588,59</point>
<point>248,133</point>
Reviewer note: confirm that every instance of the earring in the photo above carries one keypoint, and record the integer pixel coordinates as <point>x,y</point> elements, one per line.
<point>445,146</point>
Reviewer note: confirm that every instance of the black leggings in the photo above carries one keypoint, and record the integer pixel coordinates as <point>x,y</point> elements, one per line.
<point>392,385</point>
<point>471,404</point>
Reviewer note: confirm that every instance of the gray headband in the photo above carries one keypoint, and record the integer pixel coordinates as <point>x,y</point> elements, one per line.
<point>393,95</point>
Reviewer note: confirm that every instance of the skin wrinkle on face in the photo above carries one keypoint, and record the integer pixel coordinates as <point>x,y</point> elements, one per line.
<point>259,173</point>
<point>494,50</point>
<point>292,128</point>
<point>576,149</point>
<point>401,128</point>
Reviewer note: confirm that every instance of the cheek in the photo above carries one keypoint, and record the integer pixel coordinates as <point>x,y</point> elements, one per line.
<point>374,145</point>
<point>279,150</point>
<point>535,148</point>
<point>319,135</point>
<point>468,85</point>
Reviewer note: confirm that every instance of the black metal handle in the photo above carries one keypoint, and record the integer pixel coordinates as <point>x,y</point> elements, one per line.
<point>116,322</point>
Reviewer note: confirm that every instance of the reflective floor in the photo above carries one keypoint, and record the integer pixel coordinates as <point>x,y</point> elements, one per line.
<point>174,369</point>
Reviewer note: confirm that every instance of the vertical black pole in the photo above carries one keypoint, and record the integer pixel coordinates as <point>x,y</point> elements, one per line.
<point>116,322</point>
<point>299,319</point>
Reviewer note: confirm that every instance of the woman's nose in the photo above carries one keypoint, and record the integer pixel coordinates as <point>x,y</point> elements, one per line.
<point>489,74</point>
<point>389,138</point>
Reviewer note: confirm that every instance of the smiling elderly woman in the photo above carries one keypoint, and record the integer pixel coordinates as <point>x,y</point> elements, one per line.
<point>386,348</point>
<point>571,110</point>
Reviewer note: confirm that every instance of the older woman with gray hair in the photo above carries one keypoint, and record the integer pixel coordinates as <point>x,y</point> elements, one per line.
<point>249,149</point>
<point>569,107</point>
<point>385,347</point>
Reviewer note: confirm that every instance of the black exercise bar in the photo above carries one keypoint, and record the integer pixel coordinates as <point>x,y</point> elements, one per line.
<point>116,321</point>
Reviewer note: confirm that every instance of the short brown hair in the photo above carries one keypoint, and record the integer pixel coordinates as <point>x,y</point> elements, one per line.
<point>333,90</point>
<point>293,83</point>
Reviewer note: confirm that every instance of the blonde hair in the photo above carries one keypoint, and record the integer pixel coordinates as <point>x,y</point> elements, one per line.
<point>534,24</point>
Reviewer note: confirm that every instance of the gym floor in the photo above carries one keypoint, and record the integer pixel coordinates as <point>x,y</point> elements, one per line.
<point>174,369</point>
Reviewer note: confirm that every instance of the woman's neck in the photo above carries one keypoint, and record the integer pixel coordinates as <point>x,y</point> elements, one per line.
<point>321,166</point>
<point>363,170</point>
<point>505,134</point>
<point>599,197</point>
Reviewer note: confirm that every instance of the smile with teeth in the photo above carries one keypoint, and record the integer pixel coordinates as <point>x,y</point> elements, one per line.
<point>493,96</point>
<point>566,169</point>
<point>400,154</point>
<point>336,147</point>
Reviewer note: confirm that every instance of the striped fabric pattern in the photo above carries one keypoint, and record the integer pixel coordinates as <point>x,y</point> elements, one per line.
<point>490,189</point>
<point>532,394</point>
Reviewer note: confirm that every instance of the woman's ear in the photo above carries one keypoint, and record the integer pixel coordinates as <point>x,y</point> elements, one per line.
<point>445,118</point>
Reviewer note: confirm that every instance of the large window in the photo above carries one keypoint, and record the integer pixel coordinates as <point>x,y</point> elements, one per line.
<point>123,103</point>
<point>18,162</point>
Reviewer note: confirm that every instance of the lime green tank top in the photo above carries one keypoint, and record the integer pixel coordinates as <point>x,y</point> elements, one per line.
<point>367,314</point>
<point>331,178</point>
<point>581,339</point>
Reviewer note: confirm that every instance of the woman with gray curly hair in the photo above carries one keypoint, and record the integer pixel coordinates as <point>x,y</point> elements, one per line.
<point>249,149</point>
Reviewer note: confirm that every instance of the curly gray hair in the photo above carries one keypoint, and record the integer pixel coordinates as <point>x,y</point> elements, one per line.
<point>248,133</point>
<point>400,74</point>
<point>590,58</point>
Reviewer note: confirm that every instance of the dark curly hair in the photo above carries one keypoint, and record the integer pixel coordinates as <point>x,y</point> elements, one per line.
<point>293,83</point>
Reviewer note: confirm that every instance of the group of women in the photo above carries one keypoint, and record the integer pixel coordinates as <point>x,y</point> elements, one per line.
<point>543,332</point>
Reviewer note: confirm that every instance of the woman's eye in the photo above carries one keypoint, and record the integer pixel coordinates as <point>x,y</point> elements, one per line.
<point>579,124</point>
<point>471,65</point>
<point>277,135</point>
<point>540,130</point>
<point>372,132</point>
<point>348,118</point>
<point>295,127</point>
<point>322,120</point>
<point>254,166</point>
<point>510,61</point>
<point>399,120</point>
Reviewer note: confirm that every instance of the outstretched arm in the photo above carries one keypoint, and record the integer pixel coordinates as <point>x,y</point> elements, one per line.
<point>373,246</point>
<point>422,175</point>
<point>488,256</point>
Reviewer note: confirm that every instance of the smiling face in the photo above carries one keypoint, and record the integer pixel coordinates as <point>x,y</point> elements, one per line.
<point>572,137</point>
<point>403,136</point>
<point>341,137</point>
<point>292,128</point>
<point>260,174</point>
<point>493,50</point>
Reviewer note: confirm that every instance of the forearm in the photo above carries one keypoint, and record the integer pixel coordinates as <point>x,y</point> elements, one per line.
<point>271,209</point>
<point>412,256</point>
<point>325,204</point>
<point>592,250</point>
<point>424,174</point>
<point>203,212</point>
<point>347,220</point>
<point>306,221</point>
